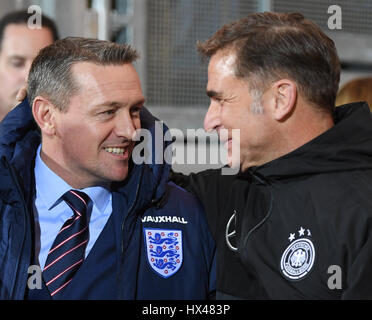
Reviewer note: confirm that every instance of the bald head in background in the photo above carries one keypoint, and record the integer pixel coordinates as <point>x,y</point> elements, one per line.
<point>19,45</point>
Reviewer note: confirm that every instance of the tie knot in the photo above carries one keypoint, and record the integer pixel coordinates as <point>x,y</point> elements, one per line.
<point>78,201</point>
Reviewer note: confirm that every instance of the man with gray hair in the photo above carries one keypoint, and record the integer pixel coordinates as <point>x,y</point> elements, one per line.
<point>296,221</point>
<point>73,203</point>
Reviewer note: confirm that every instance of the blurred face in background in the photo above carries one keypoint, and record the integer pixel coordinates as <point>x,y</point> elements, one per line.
<point>19,47</point>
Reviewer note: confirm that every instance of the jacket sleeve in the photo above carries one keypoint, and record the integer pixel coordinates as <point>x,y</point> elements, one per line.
<point>206,187</point>
<point>204,184</point>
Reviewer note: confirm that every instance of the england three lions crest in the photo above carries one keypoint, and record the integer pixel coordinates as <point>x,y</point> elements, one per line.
<point>164,250</point>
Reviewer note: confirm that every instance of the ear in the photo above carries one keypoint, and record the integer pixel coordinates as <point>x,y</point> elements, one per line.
<point>285,96</point>
<point>43,111</point>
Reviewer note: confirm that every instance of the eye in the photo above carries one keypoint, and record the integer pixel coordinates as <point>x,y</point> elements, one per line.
<point>136,110</point>
<point>17,63</point>
<point>218,100</point>
<point>106,114</point>
<point>109,112</point>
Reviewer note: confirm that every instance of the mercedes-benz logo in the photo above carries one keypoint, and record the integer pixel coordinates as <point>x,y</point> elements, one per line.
<point>230,233</point>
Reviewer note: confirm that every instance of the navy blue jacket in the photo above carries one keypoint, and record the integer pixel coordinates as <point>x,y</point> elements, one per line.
<point>164,249</point>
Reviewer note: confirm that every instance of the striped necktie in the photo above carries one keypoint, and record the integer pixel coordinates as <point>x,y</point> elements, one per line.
<point>68,250</point>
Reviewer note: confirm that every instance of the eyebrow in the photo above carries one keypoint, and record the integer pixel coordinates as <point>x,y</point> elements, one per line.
<point>108,104</point>
<point>214,94</point>
<point>17,57</point>
<point>116,104</point>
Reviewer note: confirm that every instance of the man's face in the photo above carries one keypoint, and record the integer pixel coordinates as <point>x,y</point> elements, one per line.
<point>231,108</point>
<point>93,141</point>
<point>19,47</point>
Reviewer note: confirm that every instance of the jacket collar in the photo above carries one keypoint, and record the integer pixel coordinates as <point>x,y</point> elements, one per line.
<point>346,146</point>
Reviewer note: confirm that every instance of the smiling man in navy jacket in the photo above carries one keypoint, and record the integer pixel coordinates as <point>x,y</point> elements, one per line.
<point>73,202</point>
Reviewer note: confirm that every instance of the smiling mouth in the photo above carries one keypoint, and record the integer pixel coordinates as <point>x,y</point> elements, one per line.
<point>116,151</point>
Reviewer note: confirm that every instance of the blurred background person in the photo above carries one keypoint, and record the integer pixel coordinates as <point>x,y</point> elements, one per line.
<point>356,90</point>
<point>19,45</point>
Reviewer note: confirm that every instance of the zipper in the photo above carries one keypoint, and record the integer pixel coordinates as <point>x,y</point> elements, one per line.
<point>122,233</point>
<point>130,211</point>
<point>269,211</point>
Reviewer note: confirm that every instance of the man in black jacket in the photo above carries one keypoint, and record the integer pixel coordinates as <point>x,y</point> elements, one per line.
<point>295,222</point>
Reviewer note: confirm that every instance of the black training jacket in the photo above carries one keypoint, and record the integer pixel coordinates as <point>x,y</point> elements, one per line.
<point>300,226</point>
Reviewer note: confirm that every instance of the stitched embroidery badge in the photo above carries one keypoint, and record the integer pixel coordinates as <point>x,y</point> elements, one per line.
<point>164,250</point>
<point>299,256</point>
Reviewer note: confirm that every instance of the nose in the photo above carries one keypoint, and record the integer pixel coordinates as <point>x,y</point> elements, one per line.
<point>126,126</point>
<point>212,120</point>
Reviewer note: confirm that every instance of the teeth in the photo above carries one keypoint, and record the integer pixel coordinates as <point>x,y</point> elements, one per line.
<point>115,150</point>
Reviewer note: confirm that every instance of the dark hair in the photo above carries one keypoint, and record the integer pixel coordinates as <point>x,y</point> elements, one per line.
<point>50,74</point>
<point>21,17</point>
<point>270,46</point>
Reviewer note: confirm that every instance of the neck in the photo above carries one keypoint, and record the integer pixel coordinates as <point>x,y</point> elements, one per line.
<point>305,130</point>
<point>293,133</point>
<point>70,178</point>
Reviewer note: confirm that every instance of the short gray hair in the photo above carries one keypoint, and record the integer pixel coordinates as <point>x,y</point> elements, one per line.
<point>50,74</point>
<point>270,46</point>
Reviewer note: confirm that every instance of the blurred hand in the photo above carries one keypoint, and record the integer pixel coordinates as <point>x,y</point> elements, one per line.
<point>22,93</point>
